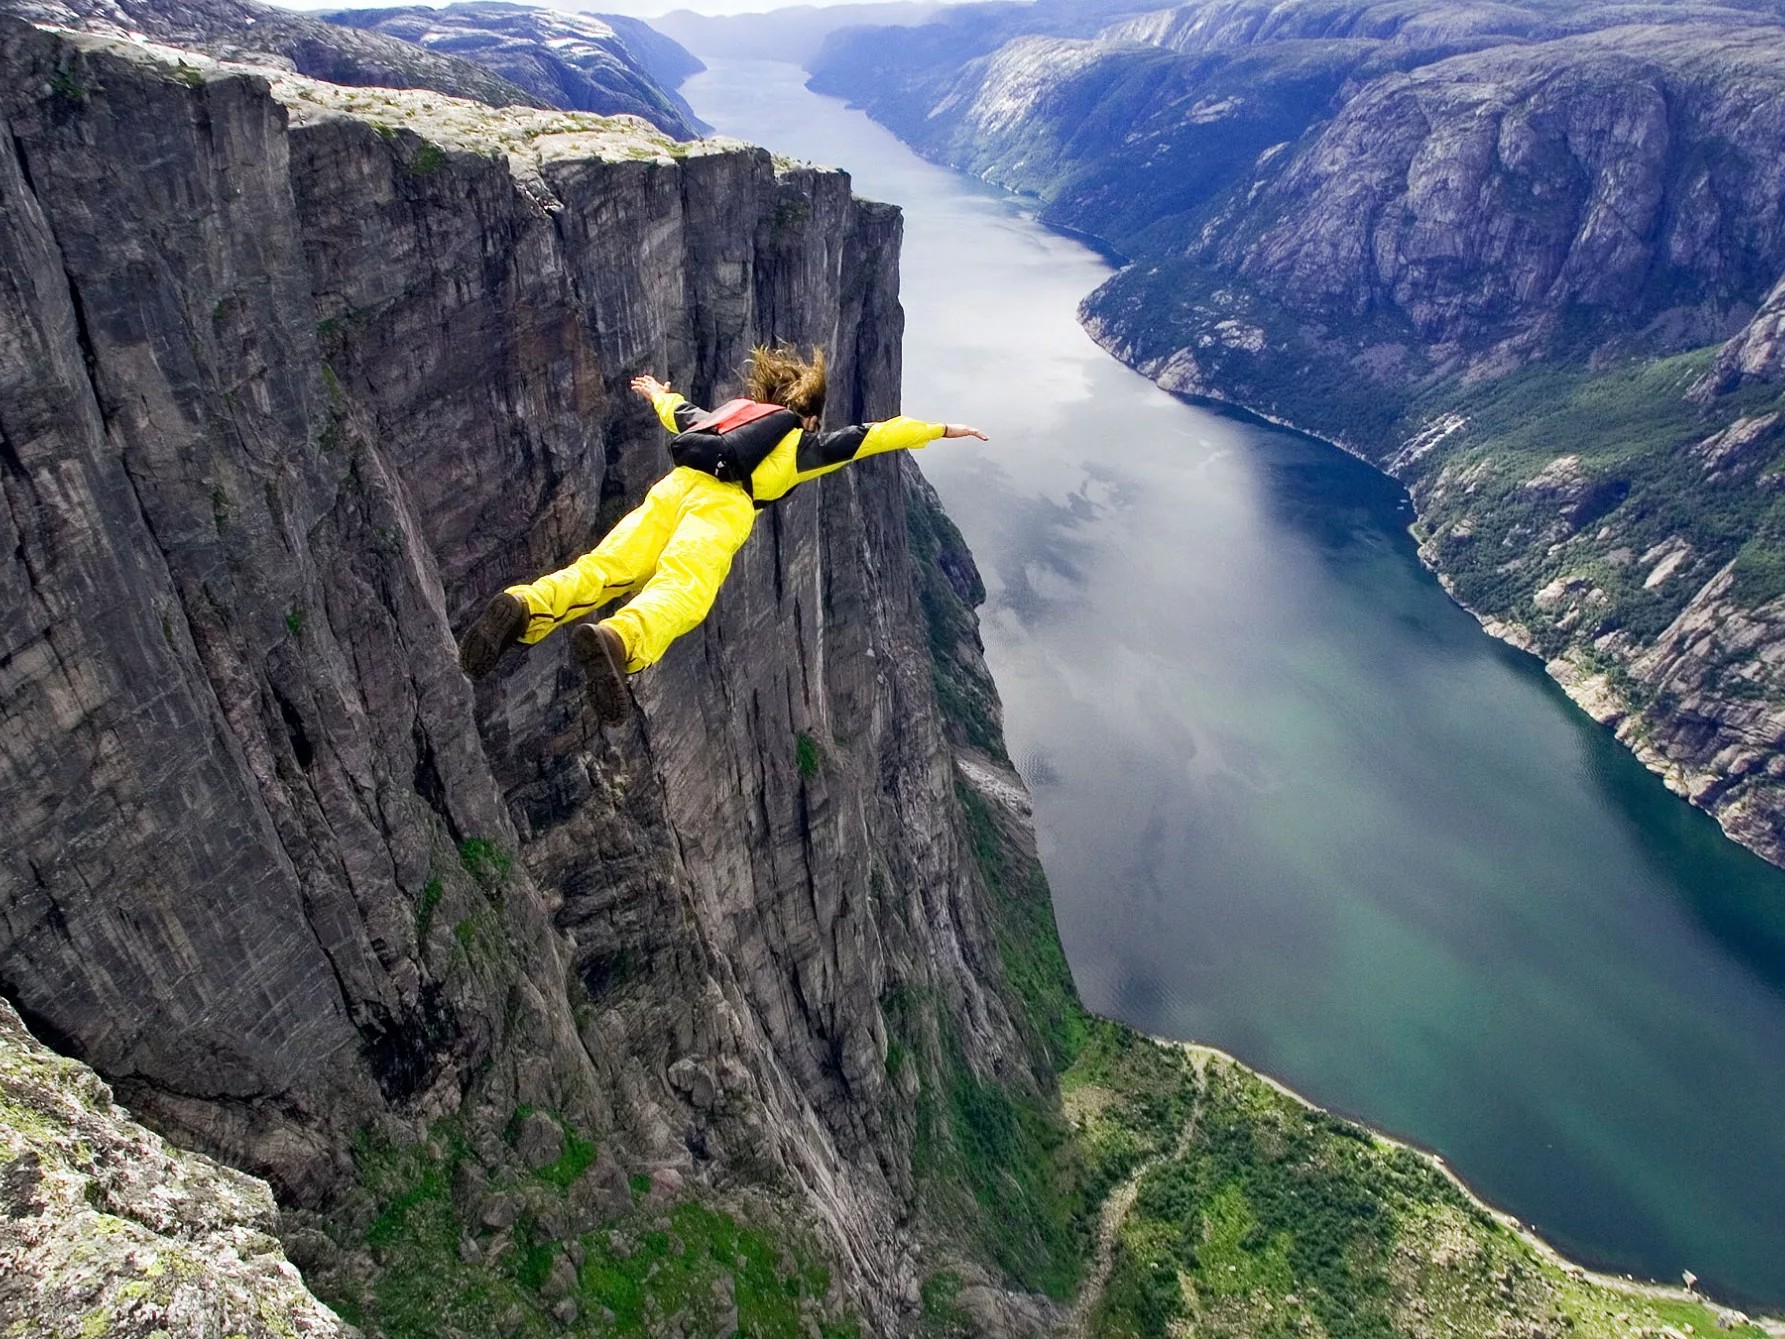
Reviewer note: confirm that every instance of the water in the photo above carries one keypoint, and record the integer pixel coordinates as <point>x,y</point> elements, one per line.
<point>1293,802</point>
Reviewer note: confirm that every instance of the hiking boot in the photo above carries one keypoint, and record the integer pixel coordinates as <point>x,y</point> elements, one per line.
<point>498,627</point>
<point>602,655</point>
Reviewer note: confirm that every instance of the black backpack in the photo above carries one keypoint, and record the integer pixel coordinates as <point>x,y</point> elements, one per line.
<point>733,440</point>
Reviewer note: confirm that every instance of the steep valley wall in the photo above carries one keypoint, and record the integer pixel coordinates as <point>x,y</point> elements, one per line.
<point>1496,251</point>
<point>285,392</point>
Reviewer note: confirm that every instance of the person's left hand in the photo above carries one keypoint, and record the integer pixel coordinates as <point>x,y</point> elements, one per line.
<point>649,387</point>
<point>963,430</point>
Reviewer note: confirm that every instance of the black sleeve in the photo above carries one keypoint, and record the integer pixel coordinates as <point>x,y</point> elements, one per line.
<point>818,449</point>
<point>686,415</point>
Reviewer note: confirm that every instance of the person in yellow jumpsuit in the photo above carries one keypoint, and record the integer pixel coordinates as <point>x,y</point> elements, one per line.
<point>672,552</point>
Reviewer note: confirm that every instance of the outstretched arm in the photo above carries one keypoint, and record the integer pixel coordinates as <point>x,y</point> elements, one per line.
<point>672,408</point>
<point>820,452</point>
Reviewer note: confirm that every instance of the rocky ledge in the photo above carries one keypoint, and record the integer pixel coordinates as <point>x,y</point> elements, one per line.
<point>107,1229</point>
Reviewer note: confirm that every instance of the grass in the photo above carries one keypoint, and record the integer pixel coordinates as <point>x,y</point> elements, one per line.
<point>1500,538</point>
<point>691,1260</point>
<point>807,755</point>
<point>486,862</point>
<point>1028,939</point>
<point>1280,1220</point>
<point>424,909</point>
<point>428,159</point>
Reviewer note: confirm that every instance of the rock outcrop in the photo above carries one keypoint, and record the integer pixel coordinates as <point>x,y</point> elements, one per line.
<point>106,1229</point>
<point>291,378</point>
<point>504,55</point>
<point>578,62</point>
<point>268,35</point>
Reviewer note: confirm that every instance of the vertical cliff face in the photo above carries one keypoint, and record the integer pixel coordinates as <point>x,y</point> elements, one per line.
<point>285,392</point>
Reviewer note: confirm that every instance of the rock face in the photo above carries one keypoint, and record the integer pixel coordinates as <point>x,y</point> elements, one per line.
<point>286,390</point>
<point>1495,249</point>
<point>578,62</point>
<point>504,55</point>
<point>107,1229</point>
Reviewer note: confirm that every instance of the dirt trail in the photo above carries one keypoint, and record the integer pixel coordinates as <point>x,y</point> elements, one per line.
<point>1114,1213</point>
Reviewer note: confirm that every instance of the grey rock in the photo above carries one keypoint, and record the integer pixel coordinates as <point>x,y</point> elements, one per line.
<point>1755,355</point>
<point>107,1228</point>
<point>291,378</point>
<point>578,62</point>
<point>695,1082</point>
<point>539,1140</point>
<point>1336,211</point>
<point>269,34</point>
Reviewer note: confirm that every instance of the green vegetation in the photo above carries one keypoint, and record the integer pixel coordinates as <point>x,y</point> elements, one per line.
<point>964,689</point>
<point>1027,936</point>
<point>442,1268</point>
<point>807,755</point>
<point>1258,1216</point>
<point>66,86</point>
<point>294,622</point>
<point>1508,516</point>
<point>486,862</point>
<point>942,1319</point>
<point>424,910</point>
<point>428,159</point>
<point>998,1160</point>
<point>578,1154</point>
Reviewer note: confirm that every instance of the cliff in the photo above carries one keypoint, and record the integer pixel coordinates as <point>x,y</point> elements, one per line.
<point>288,389</point>
<point>1494,249</point>
<point>748,1018</point>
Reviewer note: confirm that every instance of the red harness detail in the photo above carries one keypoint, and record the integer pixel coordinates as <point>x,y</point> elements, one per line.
<point>734,414</point>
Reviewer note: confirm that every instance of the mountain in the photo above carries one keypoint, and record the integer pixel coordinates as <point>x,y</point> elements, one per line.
<point>1495,249</point>
<point>503,55</point>
<point>579,62</point>
<point>266,34</point>
<point>793,32</point>
<point>748,1017</point>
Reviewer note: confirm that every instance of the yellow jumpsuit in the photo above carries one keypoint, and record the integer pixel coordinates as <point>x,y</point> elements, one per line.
<point>672,552</point>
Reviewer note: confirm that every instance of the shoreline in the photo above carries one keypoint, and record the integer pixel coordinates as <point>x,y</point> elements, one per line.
<point>1590,691</point>
<point>1630,1285</point>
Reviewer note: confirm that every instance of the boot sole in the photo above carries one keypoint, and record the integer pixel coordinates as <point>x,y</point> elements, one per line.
<point>604,674</point>
<point>503,620</point>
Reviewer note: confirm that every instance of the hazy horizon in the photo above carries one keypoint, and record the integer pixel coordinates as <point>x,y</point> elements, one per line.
<point>640,9</point>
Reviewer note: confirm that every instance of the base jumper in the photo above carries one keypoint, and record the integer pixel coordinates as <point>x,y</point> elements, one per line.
<point>668,556</point>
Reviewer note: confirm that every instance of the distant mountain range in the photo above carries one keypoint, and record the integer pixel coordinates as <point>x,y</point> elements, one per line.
<point>1526,256</point>
<point>793,34</point>
<point>583,62</point>
<point>504,55</point>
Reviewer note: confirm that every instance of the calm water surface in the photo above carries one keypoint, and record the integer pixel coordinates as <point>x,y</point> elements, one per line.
<point>1293,802</point>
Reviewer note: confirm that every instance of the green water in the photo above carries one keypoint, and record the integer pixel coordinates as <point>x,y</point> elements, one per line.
<point>1294,803</point>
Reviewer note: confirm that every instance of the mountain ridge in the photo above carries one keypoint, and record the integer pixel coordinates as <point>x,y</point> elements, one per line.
<point>1360,220</point>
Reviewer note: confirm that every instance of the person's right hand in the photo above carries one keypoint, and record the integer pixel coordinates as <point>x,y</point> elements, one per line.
<point>963,430</point>
<point>649,387</point>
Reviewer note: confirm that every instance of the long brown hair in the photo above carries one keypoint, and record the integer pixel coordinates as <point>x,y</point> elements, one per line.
<point>780,376</point>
